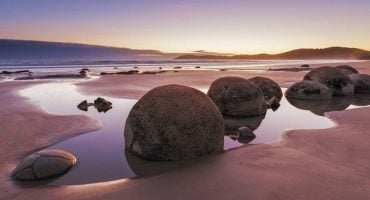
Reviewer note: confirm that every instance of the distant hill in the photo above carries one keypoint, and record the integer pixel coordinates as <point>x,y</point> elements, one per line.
<point>38,50</point>
<point>298,54</point>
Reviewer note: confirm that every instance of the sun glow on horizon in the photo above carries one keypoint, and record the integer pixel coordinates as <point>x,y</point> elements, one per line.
<point>182,27</point>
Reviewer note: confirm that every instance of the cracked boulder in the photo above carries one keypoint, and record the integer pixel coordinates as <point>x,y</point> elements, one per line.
<point>44,165</point>
<point>334,79</point>
<point>174,122</point>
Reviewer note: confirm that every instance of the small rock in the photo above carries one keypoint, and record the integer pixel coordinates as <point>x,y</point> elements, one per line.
<point>273,103</point>
<point>102,105</point>
<point>44,165</point>
<point>84,105</point>
<point>246,133</point>
<point>305,65</point>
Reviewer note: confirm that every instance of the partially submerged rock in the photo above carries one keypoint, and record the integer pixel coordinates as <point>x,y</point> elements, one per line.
<point>44,165</point>
<point>333,78</point>
<point>174,122</point>
<point>246,133</point>
<point>269,87</point>
<point>308,90</point>
<point>84,105</point>
<point>273,103</point>
<point>236,96</point>
<point>102,105</point>
<point>232,124</point>
<point>361,83</point>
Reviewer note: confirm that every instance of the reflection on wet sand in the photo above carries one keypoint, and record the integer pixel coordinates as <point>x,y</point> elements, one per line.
<point>335,104</point>
<point>143,168</point>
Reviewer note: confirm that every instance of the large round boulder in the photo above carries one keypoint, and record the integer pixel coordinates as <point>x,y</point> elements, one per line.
<point>44,165</point>
<point>174,122</point>
<point>333,78</point>
<point>308,90</point>
<point>269,87</point>
<point>347,69</point>
<point>361,83</point>
<point>236,96</point>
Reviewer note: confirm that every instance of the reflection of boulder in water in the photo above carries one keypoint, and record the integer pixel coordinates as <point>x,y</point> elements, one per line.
<point>143,168</point>
<point>336,104</point>
<point>232,124</point>
<point>320,107</point>
<point>361,100</point>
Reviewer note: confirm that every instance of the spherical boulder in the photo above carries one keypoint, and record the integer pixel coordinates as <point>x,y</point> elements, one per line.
<point>333,78</point>
<point>44,165</point>
<point>269,87</point>
<point>347,69</point>
<point>308,90</point>
<point>361,83</point>
<point>174,122</point>
<point>238,97</point>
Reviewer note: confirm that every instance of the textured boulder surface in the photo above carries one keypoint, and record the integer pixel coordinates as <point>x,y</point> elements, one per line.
<point>308,90</point>
<point>174,122</point>
<point>269,87</point>
<point>333,78</point>
<point>347,69</point>
<point>236,96</point>
<point>361,83</point>
<point>44,165</point>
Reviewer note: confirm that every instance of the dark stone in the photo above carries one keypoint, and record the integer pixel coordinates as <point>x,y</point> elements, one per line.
<point>54,76</point>
<point>102,105</point>
<point>361,83</point>
<point>177,67</point>
<point>120,73</point>
<point>291,69</point>
<point>305,65</point>
<point>15,72</point>
<point>43,165</point>
<point>347,69</point>
<point>197,67</point>
<point>334,79</point>
<point>223,70</point>
<point>238,97</point>
<point>246,133</point>
<point>174,122</point>
<point>83,105</point>
<point>273,103</point>
<point>269,87</point>
<point>232,124</point>
<point>308,90</point>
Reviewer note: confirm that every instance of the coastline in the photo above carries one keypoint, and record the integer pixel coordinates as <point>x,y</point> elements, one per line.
<point>306,164</point>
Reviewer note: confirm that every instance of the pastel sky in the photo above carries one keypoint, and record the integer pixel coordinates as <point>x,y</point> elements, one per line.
<point>228,26</point>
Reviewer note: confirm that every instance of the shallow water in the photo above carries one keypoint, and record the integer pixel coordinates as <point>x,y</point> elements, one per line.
<point>101,155</point>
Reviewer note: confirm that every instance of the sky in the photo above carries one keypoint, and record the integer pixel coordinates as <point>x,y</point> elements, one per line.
<point>226,26</point>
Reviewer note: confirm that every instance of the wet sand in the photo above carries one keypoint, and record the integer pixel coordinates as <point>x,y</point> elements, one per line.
<point>306,164</point>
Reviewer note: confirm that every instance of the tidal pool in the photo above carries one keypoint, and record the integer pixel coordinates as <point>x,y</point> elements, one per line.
<point>101,154</point>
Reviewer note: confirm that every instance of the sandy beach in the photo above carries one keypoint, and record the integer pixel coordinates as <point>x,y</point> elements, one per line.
<point>306,164</point>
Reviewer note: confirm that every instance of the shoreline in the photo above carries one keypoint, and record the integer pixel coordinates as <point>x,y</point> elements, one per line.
<point>306,164</point>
